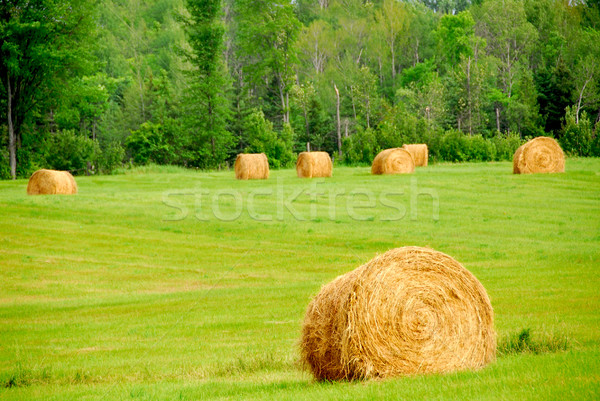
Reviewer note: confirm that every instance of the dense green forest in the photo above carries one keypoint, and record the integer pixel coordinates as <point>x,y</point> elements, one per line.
<point>91,85</point>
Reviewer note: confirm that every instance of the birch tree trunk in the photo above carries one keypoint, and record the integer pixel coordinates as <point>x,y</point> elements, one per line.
<point>339,124</point>
<point>12,140</point>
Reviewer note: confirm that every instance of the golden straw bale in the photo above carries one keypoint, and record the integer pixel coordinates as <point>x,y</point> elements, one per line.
<point>540,155</point>
<point>409,311</point>
<point>50,182</point>
<point>419,152</point>
<point>393,161</point>
<point>72,181</point>
<point>516,160</point>
<point>251,166</point>
<point>314,164</point>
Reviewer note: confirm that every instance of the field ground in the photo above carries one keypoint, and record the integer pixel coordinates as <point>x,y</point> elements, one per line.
<point>187,285</point>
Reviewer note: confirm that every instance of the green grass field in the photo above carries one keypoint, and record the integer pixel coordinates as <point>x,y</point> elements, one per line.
<point>180,285</point>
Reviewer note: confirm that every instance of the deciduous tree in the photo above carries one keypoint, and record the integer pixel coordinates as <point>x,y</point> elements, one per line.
<point>42,44</point>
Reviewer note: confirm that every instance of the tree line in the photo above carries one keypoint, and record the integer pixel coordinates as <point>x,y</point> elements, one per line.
<point>96,84</point>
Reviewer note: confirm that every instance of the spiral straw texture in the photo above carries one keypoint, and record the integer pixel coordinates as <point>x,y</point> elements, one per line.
<point>540,155</point>
<point>409,311</point>
<point>393,161</point>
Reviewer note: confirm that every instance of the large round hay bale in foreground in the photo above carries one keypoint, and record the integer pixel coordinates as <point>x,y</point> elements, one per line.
<point>419,152</point>
<point>51,182</point>
<point>409,311</point>
<point>393,161</point>
<point>251,166</point>
<point>540,155</point>
<point>314,164</point>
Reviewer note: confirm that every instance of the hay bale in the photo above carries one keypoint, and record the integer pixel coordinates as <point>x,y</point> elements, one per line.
<point>393,161</point>
<point>409,311</point>
<point>251,166</point>
<point>50,182</point>
<point>419,152</point>
<point>540,155</point>
<point>314,164</point>
<point>516,160</point>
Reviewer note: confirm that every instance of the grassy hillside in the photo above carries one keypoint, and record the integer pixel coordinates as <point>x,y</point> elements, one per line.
<point>187,285</point>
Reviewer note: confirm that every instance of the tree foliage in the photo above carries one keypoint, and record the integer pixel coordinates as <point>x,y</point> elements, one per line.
<point>207,106</point>
<point>193,82</point>
<point>42,45</point>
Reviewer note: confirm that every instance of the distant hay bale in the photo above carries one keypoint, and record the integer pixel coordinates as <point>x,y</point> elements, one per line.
<point>409,311</point>
<point>314,164</point>
<point>419,152</point>
<point>393,161</point>
<point>251,166</point>
<point>516,160</point>
<point>540,155</point>
<point>51,182</point>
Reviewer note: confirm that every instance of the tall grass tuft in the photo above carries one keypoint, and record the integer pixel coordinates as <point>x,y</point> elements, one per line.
<point>525,342</point>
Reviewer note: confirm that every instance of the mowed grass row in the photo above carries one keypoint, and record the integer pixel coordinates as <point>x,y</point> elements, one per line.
<point>183,285</point>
